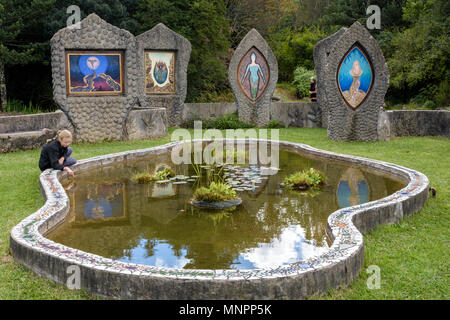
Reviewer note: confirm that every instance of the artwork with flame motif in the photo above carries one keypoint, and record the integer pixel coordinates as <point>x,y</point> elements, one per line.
<point>160,72</point>
<point>355,77</point>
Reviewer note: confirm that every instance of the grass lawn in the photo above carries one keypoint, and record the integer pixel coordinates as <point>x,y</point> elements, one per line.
<point>413,255</point>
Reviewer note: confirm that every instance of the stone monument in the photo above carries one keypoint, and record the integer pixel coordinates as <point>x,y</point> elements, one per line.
<point>356,78</point>
<point>164,57</point>
<point>253,75</point>
<point>96,95</point>
<point>97,77</point>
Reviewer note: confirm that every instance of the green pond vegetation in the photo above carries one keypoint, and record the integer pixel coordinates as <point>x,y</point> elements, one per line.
<point>216,192</point>
<point>304,180</point>
<point>146,177</point>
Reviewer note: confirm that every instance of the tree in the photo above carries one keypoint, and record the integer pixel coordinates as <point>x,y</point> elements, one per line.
<point>263,15</point>
<point>420,60</point>
<point>294,47</point>
<point>17,27</point>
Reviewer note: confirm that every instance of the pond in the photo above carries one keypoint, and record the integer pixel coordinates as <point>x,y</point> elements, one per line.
<point>154,224</point>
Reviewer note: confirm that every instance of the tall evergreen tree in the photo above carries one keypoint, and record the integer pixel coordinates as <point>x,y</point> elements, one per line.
<point>17,29</point>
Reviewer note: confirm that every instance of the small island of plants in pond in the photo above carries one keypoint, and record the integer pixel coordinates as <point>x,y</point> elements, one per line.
<point>217,196</point>
<point>305,180</point>
<point>146,177</point>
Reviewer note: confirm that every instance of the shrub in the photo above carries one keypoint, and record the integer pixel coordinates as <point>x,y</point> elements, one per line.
<point>305,179</point>
<point>216,192</point>
<point>302,81</point>
<point>228,121</point>
<point>443,93</point>
<point>275,124</point>
<point>429,105</point>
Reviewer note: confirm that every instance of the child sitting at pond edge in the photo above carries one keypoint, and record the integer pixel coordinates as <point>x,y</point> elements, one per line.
<point>56,153</point>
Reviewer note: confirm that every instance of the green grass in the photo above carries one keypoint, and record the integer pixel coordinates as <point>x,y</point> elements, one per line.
<point>413,255</point>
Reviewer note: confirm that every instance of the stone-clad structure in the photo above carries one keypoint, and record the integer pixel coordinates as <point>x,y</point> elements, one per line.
<point>124,110</point>
<point>353,112</point>
<point>162,39</point>
<point>321,51</point>
<point>95,118</point>
<point>253,75</point>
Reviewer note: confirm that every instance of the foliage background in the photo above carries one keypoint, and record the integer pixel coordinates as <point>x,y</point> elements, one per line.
<point>413,36</point>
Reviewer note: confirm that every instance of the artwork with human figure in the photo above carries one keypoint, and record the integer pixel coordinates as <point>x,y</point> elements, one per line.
<point>353,188</point>
<point>355,77</point>
<point>98,203</point>
<point>94,73</point>
<point>160,72</point>
<point>253,74</point>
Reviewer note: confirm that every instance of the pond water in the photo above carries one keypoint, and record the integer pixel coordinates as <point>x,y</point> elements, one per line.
<point>155,225</point>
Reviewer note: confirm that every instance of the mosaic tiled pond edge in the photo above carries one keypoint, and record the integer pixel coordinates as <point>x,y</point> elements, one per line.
<point>107,278</point>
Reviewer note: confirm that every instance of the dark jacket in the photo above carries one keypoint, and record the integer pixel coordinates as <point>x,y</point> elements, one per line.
<point>50,155</point>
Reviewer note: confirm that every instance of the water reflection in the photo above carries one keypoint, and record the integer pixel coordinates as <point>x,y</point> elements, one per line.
<point>353,188</point>
<point>155,225</point>
<point>97,203</point>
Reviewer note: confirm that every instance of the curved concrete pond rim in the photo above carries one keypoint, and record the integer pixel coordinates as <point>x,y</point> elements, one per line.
<point>107,278</point>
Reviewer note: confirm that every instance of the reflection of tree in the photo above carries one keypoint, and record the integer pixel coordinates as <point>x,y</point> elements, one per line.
<point>149,246</point>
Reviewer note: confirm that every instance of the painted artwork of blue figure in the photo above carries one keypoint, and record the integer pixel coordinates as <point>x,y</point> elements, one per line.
<point>160,73</point>
<point>255,72</point>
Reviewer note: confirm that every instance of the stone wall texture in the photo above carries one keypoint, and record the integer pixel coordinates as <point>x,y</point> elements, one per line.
<point>296,114</point>
<point>33,122</point>
<point>344,122</point>
<point>291,114</point>
<point>146,124</point>
<point>255,112</point>
<point>208,110</point>
<point>162,38</point>
<point>26,132</point>
<point>418,123</point>
<point>321,51</point>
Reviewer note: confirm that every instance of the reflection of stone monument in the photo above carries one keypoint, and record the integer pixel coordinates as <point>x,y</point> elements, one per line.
<point>253,75</point>
<point>167,78</point>
<point>353,188</point>
<point>354,90</point>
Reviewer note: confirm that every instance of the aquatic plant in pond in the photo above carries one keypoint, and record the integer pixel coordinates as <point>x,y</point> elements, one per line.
<point>146,177</point>
<point>304,180</point>
<point>216,192</point>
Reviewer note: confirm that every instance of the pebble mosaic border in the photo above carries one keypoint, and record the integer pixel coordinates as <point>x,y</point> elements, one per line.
<point>118,280</point>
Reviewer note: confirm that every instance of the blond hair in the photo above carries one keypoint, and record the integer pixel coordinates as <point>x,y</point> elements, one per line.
<point>61,134</point>
<point>64,134</point>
